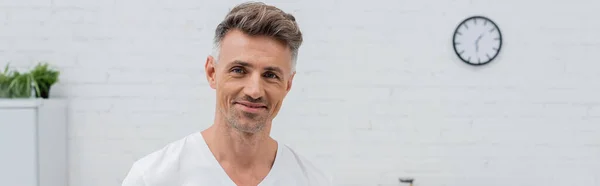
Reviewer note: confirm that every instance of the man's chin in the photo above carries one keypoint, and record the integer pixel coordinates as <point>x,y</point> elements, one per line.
<point>246,125</point>
<point>248,128</point>
<point>247,122</point>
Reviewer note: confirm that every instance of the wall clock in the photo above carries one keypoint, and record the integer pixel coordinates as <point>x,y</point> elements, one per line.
<point>477,40</point>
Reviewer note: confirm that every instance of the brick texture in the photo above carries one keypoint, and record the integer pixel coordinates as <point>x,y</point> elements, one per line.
<point>379,91</point>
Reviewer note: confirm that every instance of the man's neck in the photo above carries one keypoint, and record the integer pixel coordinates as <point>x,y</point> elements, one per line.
<point>241,150</point>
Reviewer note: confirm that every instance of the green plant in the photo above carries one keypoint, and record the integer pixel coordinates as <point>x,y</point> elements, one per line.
<point>5,79</point>
<point>44,78</point>
<point>14,84</point>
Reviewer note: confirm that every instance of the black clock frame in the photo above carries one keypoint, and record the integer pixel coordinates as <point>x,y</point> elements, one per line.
<point>456,31</point>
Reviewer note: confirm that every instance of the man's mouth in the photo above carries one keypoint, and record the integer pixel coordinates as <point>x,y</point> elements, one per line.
<point>251,105</point>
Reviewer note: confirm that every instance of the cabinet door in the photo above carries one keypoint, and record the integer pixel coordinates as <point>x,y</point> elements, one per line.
<point>18,142</point>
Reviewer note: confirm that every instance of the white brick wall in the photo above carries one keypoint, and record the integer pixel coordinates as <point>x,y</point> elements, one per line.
<point>398,102</point>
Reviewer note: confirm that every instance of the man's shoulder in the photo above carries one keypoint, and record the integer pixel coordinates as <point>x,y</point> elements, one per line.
<point>164,160</point>
<point>316,175</point>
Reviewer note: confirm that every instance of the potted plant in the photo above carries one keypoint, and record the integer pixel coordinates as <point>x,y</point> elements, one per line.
<point>14,84</point>
<point>38,81</point>
<point>43,79</point>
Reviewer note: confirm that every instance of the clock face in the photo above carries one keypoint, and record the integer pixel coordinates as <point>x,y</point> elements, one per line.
<point>477,40</point>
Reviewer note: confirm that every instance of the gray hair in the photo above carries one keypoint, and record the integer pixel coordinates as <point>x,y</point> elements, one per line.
<point>256,18</point>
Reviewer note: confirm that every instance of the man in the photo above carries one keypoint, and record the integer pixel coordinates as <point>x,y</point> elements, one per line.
<point>251,69</point>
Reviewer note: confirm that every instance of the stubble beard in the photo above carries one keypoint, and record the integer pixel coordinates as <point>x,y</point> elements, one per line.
<point>255,122</point>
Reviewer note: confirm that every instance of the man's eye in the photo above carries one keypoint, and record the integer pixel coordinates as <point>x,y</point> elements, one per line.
<point>238,70</point>
<point>271,75</point>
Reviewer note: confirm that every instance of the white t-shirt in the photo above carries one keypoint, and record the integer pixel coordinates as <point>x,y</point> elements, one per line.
<point>189,162</point>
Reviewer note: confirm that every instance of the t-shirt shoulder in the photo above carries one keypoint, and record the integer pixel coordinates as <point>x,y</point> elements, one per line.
<point>162,160</point>
<point>316,175</point>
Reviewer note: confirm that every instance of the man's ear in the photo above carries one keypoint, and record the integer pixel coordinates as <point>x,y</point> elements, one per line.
<point>209,70</point>
<point>290,81</point>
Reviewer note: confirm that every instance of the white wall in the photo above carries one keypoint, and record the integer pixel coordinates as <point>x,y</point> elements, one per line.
<point>380,93</point>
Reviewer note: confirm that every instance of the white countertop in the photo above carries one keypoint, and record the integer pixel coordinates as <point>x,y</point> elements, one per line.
<point>26,102</point>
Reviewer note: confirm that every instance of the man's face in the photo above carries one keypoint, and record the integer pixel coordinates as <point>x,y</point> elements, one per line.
<point>252,76</point>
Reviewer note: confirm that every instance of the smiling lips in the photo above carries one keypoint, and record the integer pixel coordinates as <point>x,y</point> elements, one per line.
<point>251,107</point>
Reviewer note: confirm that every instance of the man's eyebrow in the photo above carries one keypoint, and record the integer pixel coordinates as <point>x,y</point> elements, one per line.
<point>246,64</point>
<point>241,63</point>
<point>276,69</point>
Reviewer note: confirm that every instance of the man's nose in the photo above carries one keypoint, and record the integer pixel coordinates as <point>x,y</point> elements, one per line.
<point>254,87</point>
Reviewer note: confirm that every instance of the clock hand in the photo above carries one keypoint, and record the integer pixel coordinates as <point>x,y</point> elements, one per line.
<point>480,36</point>
<point>477,43</point>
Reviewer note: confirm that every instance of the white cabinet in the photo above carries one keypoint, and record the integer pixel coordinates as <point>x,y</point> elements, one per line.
<point>33,137</point>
